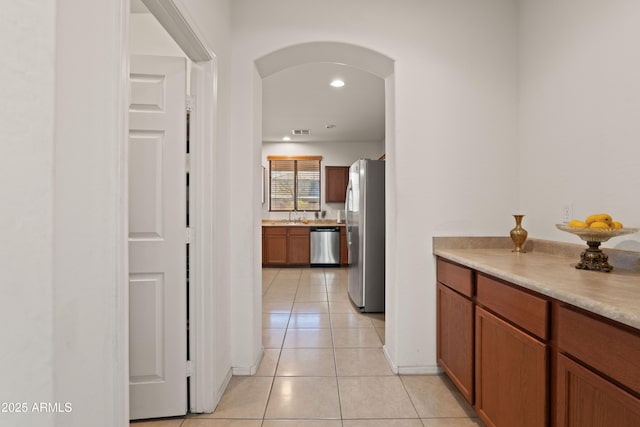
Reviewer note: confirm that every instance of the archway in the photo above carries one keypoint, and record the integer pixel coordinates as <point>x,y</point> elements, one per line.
<point>379,65</point>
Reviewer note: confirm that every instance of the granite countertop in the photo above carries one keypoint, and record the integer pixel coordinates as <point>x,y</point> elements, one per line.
<point>548,268</point>
<point>310,223</point>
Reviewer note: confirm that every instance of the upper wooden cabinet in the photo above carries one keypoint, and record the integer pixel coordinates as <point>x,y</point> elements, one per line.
<point>336,180</point>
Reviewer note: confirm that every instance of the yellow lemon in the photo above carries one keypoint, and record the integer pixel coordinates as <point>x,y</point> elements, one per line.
<point>616,225</point>
<point>600,225</point>
<point>576,223</point>
<point>606,218</point>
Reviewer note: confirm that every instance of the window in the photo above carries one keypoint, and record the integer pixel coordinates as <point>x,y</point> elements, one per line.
<point>294,183</point>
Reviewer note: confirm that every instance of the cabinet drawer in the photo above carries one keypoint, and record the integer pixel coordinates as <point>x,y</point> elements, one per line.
<point>298,231</point>
<point>456,277</point>
<point>275,231</point>
<point>525,310</point>
<point>611,350</point>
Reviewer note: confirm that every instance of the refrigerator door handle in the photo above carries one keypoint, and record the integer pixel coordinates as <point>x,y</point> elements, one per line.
<point>347,219</point>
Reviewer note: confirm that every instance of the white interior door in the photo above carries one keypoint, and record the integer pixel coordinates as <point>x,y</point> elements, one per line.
<point>157,237</point>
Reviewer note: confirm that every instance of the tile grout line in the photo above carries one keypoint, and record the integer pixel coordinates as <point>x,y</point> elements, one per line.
<point>333,347</point>
<point>275,371</point>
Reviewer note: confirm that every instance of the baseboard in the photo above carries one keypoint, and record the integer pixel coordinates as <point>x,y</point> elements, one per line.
<point>419,370</point>
<point>410,370</point>
<point>222,388</point>
<point>249,370</point>
<point>393,366</point>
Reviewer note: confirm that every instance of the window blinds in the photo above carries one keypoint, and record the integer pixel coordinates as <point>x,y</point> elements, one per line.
<point>294,183</point>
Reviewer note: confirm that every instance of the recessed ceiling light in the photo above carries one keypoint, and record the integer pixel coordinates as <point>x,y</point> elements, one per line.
<point>337,83</point>
<point>286,138</point>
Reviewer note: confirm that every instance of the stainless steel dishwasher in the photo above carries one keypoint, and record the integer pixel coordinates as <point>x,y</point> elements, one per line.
<point>325,246</point>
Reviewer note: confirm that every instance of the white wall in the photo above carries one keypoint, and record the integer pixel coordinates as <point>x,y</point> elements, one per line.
<point>148,37</point>
<point>333,154</point>
<point>63,221</point>
<point>213,20</point>
<point>579,113</point>
<point>90,258</point>
<point>27,43</point>
<point>454,155</point>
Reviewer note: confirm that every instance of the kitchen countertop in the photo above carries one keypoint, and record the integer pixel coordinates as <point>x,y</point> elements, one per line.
<point>310,223</point>
<point>548,268</point>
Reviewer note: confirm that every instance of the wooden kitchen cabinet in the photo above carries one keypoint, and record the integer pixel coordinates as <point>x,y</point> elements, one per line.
<point>286,246</point>
<point>604,388</point>
<point>585,399</point>
<point>512,356</point>
<point>511,374</point>
<point>537,361</point>
<point>455,330</point>
<point>274,246</point>
<point>344,249</point>
<point>335,184</point>
<point>298,246</point>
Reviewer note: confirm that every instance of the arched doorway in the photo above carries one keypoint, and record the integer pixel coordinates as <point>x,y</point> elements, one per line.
<point>366,60</point>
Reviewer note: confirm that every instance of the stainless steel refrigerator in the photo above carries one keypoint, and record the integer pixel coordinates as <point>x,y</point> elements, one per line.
<point>364,209</point>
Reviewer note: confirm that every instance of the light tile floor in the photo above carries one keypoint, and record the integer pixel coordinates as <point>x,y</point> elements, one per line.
<point>324,366</point>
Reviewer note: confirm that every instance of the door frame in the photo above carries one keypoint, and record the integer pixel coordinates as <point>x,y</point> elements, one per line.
<point>173,17</point>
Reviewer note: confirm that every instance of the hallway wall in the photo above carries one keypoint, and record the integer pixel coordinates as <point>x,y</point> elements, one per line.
<point>26,213</point>
<point>579,107</point>
<point>453,163</point>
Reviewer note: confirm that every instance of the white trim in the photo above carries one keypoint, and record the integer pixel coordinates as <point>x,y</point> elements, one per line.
<point>203,78</point>
<point>411,370</point>
<point>172,16</point>
<point>419,370</point>
<point>223,386</point>
<point>250,370</point>
<point>393,366</point>
<point>121,401</point>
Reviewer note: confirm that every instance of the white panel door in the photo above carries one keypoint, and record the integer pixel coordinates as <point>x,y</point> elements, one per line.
<point>157,242</point>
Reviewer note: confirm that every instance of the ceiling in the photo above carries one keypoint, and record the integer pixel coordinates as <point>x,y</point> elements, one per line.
<point>300,97</point>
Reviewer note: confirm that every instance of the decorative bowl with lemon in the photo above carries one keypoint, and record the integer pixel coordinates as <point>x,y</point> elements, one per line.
<point>594,230</point>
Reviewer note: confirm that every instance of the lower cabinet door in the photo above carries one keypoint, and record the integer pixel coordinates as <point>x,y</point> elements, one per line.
<point>584,399</point>
<point>344,249</point>
<point>275,246</point>
<point>511,374</point>
<point>455,339</point>
<point>298,246</point>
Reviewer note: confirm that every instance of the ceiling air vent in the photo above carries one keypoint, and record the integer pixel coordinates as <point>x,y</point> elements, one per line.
<point>300,131</point>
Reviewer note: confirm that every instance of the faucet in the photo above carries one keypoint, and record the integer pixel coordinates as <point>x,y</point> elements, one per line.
<point>290,212</point>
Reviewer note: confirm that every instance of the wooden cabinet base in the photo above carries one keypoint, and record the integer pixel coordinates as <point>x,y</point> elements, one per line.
<point>585,399</point>
<point>344,249</point>
<point>511,374</point>
<point>537,361</point>
<point>455,339</point>
<point>285,247</point>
